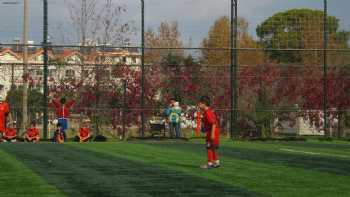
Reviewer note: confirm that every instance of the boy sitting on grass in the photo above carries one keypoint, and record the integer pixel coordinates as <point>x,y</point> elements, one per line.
<point>211,125</point>
<point>10,134</point>
<point>32,134</point>
<point>84,132</point>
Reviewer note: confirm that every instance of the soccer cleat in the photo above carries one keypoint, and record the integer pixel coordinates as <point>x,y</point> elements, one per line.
<point>207,166</point>
<point>216,165</point>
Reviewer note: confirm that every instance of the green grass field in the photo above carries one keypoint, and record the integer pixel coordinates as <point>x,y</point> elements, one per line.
<point>171,169</point>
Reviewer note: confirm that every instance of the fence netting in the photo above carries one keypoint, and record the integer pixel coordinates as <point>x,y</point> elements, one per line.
<point>292,66</point>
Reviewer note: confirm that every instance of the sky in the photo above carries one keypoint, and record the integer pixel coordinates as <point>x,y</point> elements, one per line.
<point>193,16</point>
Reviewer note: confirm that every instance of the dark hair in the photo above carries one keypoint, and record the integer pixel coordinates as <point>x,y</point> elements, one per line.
<point>59,125</point>
<point>63,100</point>
<point>205,100</point>
<point>33,122</point>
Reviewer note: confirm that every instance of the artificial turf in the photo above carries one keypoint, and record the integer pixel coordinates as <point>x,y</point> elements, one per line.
<point>170,168</point>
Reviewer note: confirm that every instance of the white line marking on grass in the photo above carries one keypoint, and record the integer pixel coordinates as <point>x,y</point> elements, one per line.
<point>314,153</point>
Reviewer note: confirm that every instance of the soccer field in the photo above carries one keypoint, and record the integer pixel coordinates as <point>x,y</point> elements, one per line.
<point>172,169</point>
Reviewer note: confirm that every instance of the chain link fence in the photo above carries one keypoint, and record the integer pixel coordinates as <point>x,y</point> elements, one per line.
<point>280,72</point>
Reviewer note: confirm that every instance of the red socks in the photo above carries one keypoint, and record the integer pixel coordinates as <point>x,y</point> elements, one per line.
<point>212,156</point>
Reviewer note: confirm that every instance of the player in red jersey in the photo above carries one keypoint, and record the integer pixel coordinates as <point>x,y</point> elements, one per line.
<point>32,134</point>
<point>84,132</point>
<point>10,134</point>
<point>62,113</point>
<point>212,130</point>
<point>4,111</point>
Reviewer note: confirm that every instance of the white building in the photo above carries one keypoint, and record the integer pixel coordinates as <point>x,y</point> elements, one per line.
<point>65,64</point>
<point>304,126</point>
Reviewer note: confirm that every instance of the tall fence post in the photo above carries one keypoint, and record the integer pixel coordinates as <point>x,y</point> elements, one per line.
<point>233,68</point>
<point>142,67</point>
<point>46,60</point>
<point>325,68</point>
<point>124,107</point>
<point>25,67</point>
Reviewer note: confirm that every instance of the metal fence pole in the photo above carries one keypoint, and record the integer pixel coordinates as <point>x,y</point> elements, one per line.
<point>325,67</point>
<point>233,68</point>
<point>46,60</point>
<point>124,107</point>
<point>25,67</point>
<point>142,67</point>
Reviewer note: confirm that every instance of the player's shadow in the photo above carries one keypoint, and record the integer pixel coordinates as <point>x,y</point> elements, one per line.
<point>343,147</point>
<point>187,166</point>
<point>328,164</point>
<point>79,172</point>
<point>334,165</point>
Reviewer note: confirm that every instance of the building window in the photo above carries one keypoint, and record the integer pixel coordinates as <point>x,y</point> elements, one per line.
<point>39,73</point>
<point>52,73</point>
<point>123,59</point>
<point>116,60</point>
<point>105,75</point>
<point>134,60</point>
<point>85,73</point>
<point>70,73</point>
<point>31,72</point>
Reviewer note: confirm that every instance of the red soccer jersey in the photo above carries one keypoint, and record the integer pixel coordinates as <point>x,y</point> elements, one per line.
<point>209,119</point>
<point>62,111</point>
<point>4,110</point>
<point>33,132</point>
<point>10,132</point>
<point>84,132</point>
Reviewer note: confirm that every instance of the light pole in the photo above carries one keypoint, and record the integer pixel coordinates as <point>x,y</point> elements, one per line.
<point>25,66</point>
<point>46,61</point>
<point>25,60</point>
<point>142,68</point>
<point>325,68</point>
<point>233,68</point>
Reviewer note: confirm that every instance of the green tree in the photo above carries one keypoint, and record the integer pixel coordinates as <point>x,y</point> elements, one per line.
<point>299,29</point>
<point>35,104</point>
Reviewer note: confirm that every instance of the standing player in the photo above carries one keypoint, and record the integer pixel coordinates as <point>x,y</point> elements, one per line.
<point>4,111</point>
<point>168,120</point>
<point>62,113</point>
<point>211,125</point>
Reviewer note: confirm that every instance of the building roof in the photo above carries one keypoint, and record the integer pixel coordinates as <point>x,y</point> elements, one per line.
<point>66,53</point>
